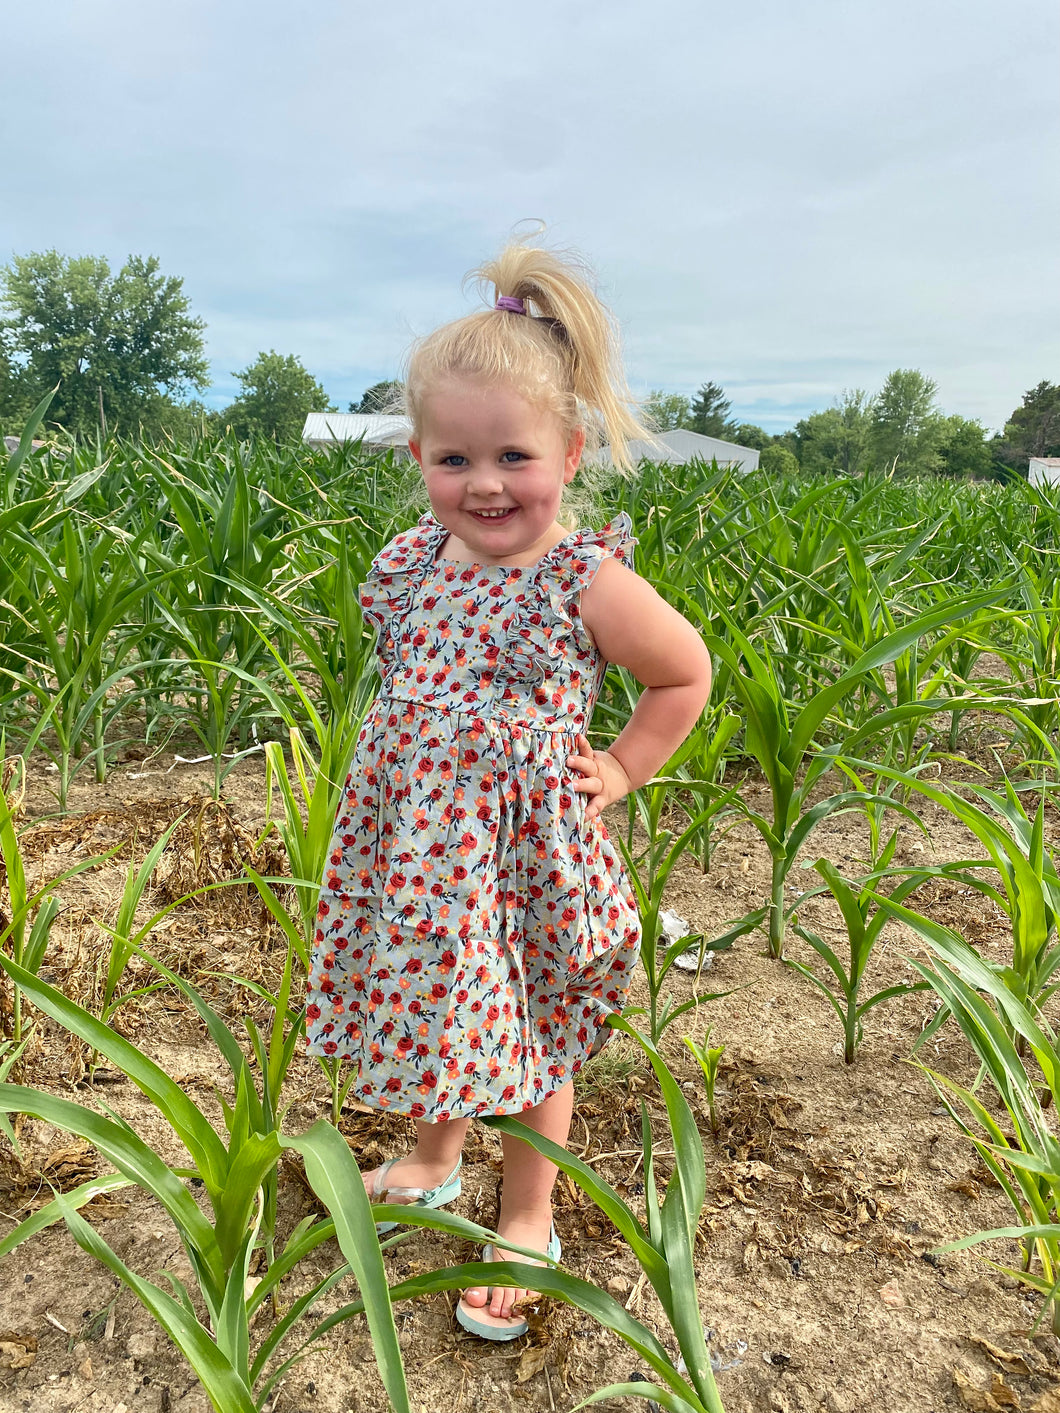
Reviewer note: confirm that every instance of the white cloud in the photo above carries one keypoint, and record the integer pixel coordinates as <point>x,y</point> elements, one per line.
<point>786,199</point>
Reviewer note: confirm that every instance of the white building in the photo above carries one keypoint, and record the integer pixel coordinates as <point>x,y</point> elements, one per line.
<point>376,430</point>
<point>1044,471</point>
<point>682,446</point>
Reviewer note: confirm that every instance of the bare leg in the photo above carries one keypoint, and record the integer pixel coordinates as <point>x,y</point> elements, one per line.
<point>431,1160</point>
<point>526,1198</point>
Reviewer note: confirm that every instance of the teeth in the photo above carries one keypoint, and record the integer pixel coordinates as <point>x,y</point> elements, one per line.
<point>492,514</point>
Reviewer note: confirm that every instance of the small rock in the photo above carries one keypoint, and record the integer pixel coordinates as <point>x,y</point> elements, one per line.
<point>892,1296</point>
<point>141,1344</point>
<point>838,1400</point>
<point>85,1370</point>
<point>982,1287</point>
<point>618,1286</point>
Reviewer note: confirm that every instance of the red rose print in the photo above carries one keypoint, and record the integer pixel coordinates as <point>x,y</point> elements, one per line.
<point>455,883</point>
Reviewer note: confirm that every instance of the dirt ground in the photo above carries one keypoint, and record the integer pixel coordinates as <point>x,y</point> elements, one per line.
<point>829,1186</point>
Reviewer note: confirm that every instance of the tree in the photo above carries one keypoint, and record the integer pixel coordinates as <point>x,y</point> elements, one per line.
<point>749,434</point>
<point>709,414</point>
<point>665,412</point>
<point>183,421</point>
<point>1034,428</point>
<point>777,461</point>
<point>387,396</point>
<point>112,343</point>
<point>16,396</point>
<point>964,450</point>
<point>907,426</point>
<point>835,441</point>
<point>277,392</point>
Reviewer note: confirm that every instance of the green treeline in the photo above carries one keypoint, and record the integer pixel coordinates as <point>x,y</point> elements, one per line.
<point>901,428</point>
<point>127,357</point>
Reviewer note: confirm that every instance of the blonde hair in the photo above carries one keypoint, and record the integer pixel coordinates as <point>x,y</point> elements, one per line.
<point>562,354</point>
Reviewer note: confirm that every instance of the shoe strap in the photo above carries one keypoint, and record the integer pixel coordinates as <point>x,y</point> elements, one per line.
<point>382,1191</point>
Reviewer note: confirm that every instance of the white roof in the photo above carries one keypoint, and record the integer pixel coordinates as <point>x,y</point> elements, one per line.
<point>681,446</point>
<point>332,428</point>
<point>1045,460</point>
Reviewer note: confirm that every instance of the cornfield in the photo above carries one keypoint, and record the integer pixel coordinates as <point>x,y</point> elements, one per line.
<point>880,646</point>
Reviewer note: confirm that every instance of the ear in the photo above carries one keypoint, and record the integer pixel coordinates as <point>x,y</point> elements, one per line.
<point>575,447</point>
<point>414,447</point>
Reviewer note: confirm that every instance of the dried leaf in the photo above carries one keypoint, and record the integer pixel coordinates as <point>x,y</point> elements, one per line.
<point>531,1362</point>
<point>1048,1403</point>
<point>752,1172</point>
<point>17,1351</point>
<point>967,1187</point>
<point>102,1209</point>
<point>1003,1396</point>
<point>898,1179</point>
<point>971,1397</point>
<point>70,1163</point>
<point>1015,1363</point>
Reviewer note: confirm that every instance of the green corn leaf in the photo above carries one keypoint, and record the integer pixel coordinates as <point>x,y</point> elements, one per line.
<point>666,1398</point>
<point>179,1110</point>
<point>49,1214</point>
<point>226,1390</point>
<point>583,1295</point>
<point>232,1323</point>
<point>334,1177</point>
<point>132,1157</point>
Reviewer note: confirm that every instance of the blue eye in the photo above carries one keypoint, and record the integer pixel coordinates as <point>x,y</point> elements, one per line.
<point>455,461</point>
<point>512,456</point>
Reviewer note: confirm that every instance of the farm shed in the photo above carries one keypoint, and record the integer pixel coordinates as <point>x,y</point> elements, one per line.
<point>374,429</point>
<point>682,446</point>
<point>1044,471</point>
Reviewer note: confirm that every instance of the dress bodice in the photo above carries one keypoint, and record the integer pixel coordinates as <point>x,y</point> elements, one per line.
<point>503,643</point>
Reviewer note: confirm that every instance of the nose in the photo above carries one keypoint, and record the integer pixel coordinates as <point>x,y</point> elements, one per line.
<point>485,480</point>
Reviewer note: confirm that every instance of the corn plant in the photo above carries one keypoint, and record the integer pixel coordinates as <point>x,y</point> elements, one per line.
<point>649,871</point>
<point>783,742</point>
<point>124,941</point>
<point>1029,895</point>
<point>218,1244</point>
<point>708,1057</point>
<point>81,593</point>
<point>1021,1152</point>
<point>1033,654</point>
<point>863,927</point>
<point>664,1246</point>
<point>26,931</point>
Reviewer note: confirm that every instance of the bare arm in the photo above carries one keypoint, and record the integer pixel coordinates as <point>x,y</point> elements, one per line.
<point>637,629</point>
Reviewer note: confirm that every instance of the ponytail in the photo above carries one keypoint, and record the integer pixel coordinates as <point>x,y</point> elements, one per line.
<point>562,352</point>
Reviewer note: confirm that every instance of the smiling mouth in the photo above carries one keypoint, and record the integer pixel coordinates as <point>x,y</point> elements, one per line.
<point>493,514</point>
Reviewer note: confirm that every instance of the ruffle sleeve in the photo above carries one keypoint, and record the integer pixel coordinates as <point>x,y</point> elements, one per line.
<point>553,617</point>
<point>395,575</point>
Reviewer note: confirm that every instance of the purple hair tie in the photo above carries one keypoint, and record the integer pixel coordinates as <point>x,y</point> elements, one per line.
<point>511,303</point>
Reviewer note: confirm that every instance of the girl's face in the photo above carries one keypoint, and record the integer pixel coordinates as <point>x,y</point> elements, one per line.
<point>495,466</point>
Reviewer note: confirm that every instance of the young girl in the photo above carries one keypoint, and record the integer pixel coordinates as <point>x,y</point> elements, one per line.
<point>475,929</point>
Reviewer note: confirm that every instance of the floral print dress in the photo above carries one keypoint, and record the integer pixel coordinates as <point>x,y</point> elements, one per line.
<point>474,928</point>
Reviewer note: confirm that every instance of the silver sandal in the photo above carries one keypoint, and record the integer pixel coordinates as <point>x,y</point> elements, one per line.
<point>440,1196</point>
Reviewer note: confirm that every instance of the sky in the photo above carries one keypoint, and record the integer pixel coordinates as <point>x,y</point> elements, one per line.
<point>786,199</point>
